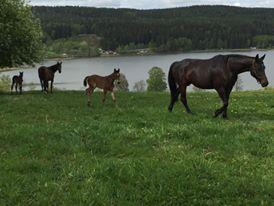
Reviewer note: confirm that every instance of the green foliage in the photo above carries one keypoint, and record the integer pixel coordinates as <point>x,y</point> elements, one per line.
<point>5,83</point>
<point>20,34</point>
<point>156,80</point>
<point>77,47</point>
<point>175,29</point>
<point>123,86</point>
<point>264,41</point>
<point>57,151</point>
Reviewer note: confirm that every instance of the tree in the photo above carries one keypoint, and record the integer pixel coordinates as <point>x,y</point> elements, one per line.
<point>20,34</point>
<point>156,80</point>
<point>140,86</point>
<point>123,86</point>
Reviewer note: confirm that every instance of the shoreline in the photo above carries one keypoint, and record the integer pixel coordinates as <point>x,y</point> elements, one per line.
<point>159,53</point>
<point>136,55</point>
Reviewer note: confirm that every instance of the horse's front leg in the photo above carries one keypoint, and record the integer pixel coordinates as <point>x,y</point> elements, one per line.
<point>16,87</point>
<point>182,89</point>
<point>223,95</point>
<point>20,88</point>
<point>51,84</point>
<point>113,97</point>
<point>46,85</point>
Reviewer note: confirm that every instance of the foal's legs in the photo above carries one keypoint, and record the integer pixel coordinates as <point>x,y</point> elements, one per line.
<point>20,88</point>
<point>224,96</point>
<point>89,92</point>
<point>104,95</point>
<point>46,86</point>
<point>182,89</point>
<point>16,87</point>
<point>113,97</point>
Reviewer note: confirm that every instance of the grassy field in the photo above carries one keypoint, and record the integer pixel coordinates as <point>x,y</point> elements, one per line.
<point>54,150</point>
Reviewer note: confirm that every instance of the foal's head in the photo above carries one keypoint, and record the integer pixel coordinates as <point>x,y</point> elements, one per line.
<point>21,74</point>
<point>116,75</point>
<point>258,70</point>
<point>59,66</point>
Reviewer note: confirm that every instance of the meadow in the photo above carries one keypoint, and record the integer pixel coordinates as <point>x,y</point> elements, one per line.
<point>54,150</point>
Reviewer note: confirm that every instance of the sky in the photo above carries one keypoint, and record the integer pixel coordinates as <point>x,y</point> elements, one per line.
<point>152,4</point>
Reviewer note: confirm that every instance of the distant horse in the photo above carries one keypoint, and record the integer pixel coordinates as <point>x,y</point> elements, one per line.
<point>106,83</point>
<point>46,74</point>
<point>219,73</point>
<point>17,80</point>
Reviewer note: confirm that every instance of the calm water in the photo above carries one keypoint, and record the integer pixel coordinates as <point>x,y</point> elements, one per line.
<point>135,68</point>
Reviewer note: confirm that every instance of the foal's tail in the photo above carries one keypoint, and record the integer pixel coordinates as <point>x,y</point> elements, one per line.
<point>172,84</point>
<point>85,81</point>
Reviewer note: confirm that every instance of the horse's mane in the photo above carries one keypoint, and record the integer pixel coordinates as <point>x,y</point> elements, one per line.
<point>53,68</point>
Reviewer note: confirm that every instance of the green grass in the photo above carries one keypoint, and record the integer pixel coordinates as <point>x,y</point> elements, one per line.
<point>54,150</point>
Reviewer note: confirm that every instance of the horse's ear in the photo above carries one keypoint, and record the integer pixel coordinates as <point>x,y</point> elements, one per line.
<point>118,70</point>
<point>262,58</point>
<point>257,57</point>
<point>114,70</point>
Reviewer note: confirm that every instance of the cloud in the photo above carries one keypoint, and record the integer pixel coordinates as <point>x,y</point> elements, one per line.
<point>150,4</point>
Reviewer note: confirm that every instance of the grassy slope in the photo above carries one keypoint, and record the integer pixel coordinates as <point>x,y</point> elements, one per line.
<point>54,150</point>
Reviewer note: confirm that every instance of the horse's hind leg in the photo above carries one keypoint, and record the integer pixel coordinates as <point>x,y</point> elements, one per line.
<point>51,84</point>
<point>173,99</point>
<point>12,85</point>
<point>182,89</point>
<point>42,85</point>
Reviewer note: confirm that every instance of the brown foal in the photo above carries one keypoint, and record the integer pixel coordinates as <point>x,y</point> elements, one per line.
<point>106,83</point>
<point>17,80</point>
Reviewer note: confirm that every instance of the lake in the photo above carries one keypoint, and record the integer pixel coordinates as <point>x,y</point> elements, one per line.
<point>134,67</point>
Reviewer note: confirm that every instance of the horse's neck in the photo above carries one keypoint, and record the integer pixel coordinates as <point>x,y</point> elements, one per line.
<point>53,68</point>
<point>240,64</point>
<point>110,78</point>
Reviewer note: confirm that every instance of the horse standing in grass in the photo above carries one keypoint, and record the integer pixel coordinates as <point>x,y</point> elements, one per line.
<point>46,74</point>
<point>17,80</point>
<point>106,83</point>
<point>219,73</point>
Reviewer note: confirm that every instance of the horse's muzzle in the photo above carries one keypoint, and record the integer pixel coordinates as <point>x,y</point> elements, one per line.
<point>264,83</point>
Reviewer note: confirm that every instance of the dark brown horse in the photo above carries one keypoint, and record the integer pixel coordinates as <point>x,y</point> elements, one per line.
<point>46,74</point>
<point>219,73</point>
<point>106,83</point>
<point>17,80</point>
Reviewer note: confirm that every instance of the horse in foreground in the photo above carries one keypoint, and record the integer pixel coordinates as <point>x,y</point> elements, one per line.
<point>219,73</point>
<point>46,74</point>
<point>17,80</point>
<point>106,83</point>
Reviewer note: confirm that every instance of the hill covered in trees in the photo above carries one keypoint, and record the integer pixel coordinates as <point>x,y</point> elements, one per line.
<point>187,28</point>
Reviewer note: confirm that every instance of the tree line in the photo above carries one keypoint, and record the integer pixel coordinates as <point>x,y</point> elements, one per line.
<point>176,29</point>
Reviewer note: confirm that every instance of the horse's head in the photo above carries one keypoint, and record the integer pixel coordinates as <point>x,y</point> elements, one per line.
<point>258,70</point>
<point>21,74</point>
<point>59,66</point>
<point>116,74</point>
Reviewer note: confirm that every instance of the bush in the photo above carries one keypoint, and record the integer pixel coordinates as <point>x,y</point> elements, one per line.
<point>123,86</point>
<point>139,86</point>
<point>5,83</point>
<point>156,80</point>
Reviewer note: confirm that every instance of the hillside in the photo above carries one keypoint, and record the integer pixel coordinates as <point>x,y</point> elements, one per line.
<point>187,28</point>
<point>57,151</point>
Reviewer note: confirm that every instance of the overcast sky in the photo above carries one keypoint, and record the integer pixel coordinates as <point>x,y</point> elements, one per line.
<point>150,4</point>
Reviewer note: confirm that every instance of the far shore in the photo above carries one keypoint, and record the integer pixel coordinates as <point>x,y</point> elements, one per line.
<point>138,55</point>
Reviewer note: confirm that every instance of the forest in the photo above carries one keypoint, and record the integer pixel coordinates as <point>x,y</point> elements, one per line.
<point>175,29</point>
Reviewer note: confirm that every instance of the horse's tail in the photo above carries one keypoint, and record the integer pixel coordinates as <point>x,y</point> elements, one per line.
<point>85,81</point>
<point>172,84</point>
